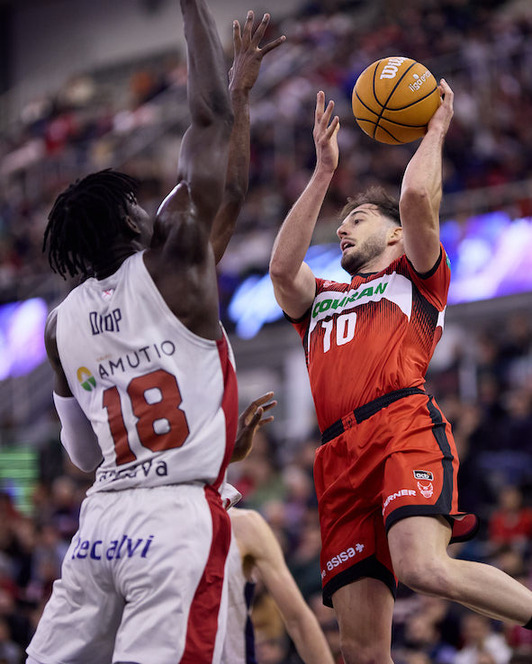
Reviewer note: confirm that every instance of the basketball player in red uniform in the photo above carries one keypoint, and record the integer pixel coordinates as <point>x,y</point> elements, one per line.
<point>145,385</point>
<point>386,471</point>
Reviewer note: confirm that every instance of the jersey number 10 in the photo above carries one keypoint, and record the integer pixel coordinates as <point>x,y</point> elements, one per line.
<point>165,410</point>
<point>345,329</point>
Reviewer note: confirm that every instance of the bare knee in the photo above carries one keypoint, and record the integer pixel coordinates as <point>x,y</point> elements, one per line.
<point>428,577</point>
<point>355,652</point>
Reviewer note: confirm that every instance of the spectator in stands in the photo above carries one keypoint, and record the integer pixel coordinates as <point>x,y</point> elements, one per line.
<point>511,523</point>
<point>479,638</point>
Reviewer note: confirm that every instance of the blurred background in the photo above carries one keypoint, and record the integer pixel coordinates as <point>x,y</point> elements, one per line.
<point>86,85</point>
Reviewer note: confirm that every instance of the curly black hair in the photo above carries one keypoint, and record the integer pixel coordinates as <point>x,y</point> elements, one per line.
<point>83,219</point>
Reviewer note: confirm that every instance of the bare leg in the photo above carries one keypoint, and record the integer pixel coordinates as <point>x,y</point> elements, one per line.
<point>364,610</point>
<point>418,546</point>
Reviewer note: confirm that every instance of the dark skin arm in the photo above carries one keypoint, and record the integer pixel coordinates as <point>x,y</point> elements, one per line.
<point>247,61</point>
<point>180,258</point>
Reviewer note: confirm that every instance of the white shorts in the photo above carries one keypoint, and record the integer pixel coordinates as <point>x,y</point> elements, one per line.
<point>142,581</point>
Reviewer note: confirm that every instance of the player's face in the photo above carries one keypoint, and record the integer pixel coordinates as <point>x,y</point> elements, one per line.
<point>363,238</point>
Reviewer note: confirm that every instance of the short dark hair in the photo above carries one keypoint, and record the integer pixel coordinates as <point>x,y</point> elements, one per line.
<point>378,196</point>
<point>83,219</point>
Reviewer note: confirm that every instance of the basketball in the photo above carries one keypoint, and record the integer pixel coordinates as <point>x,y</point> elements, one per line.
<point>394,99</point>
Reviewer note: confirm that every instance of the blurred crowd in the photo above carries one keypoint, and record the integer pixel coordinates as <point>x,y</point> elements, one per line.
<point>483,49</point>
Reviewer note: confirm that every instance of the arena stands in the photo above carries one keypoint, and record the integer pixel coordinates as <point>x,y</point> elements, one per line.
<point>127,119</point>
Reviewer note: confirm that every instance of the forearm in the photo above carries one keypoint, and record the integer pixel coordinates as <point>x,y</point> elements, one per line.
<point>207,90</point>
<point>295,235</point>
<point>237,177</point>
<point>309,640</point>
<point>423,175</point>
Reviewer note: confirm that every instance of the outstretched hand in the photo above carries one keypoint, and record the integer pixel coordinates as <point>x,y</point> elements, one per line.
<point>248,54</point>
<point>251,419</point>
<point>444,113</point>
<point>325,133</point>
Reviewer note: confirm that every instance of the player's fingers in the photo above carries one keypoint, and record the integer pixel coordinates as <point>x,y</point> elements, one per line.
<point>266,420</point>
<point>248,25</point>
<point>328,113</point>
<point>447,93</point>
<point>320,105</point>
<point>274,44</point>
<point>334,126</point>
<point>259,401</point>
<point>237,37</point>
<point>255,418</point>
<point>269,406</point>
<point>261,29</point>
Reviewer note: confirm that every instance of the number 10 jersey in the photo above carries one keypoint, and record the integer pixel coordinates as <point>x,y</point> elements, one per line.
<point>372,336</point>
<point>162,400</point>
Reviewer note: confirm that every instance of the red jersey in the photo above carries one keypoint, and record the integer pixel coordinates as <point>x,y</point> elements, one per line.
<point>372,336</point>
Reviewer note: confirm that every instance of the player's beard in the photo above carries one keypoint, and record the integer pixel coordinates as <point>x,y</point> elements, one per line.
<point>358,259</point>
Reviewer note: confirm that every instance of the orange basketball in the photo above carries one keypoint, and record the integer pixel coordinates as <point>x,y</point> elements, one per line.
<point>394,98</point>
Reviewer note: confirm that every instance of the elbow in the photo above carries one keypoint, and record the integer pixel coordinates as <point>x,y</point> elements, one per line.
<point>84,464</point>
<point>411,196</point>
<point>235,194</point>
<point>281,277</point>
<point>279,268</point>
<point>278,273</point>
<point>419,198</point>
<point>415,204</point>
<point>214,109</point>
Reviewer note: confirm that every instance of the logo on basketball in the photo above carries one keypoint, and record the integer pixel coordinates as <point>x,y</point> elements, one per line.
<point>391,68</point>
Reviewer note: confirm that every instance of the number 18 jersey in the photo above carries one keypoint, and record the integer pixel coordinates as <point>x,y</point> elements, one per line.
<point>161,400</point>
<point>372,336</point>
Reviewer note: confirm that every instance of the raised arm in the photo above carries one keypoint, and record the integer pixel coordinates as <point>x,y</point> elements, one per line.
<point>185,218</point>
<point>421,190</point>
<point>256,539</point>
<point>248,57</point>
<point>293,281</point>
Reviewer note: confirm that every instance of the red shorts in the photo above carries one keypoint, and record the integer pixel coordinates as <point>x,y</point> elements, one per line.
<point>392,462</point>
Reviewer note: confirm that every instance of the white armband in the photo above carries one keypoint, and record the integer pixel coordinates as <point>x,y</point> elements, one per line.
<point>77,435</point>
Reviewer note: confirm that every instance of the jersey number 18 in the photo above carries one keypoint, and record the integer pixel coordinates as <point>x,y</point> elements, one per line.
<point>165,410</point>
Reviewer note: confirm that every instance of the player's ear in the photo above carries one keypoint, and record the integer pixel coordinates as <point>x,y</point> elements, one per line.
<point>132,225</point>
<point>395,235</point>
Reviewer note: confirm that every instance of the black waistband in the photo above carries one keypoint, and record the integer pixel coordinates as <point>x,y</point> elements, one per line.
<point>367,410</point>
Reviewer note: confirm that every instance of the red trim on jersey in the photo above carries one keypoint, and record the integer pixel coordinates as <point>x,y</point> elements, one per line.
<point>202,624</point>
<point>229,406</point>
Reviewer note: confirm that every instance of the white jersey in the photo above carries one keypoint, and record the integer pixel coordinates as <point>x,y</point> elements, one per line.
<point>162,400</point>
<point>239,644</point>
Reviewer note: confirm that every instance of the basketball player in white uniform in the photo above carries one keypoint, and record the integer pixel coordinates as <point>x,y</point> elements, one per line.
<point>255,551</point>
<point>146,392</point>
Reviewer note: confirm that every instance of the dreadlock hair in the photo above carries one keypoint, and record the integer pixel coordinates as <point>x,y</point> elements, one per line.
<point>85,217</point>
<point>375,195</point>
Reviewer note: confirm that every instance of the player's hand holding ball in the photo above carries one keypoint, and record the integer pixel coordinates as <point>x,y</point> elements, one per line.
<point>394,99</point>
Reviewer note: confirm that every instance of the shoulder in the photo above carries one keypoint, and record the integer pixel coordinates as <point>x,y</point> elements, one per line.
<point>329,284</point>
<point>50,328</point>
<point>250,529</point>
